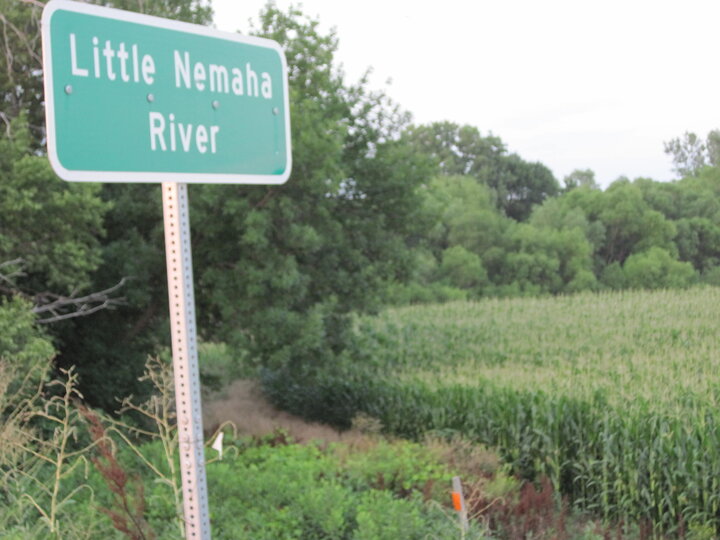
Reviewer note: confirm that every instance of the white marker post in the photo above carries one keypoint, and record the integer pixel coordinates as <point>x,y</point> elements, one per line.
<point>459,504</point>
<point>178,255</point>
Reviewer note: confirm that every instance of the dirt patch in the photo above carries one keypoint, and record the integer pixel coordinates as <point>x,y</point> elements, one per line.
<point>243,404</point>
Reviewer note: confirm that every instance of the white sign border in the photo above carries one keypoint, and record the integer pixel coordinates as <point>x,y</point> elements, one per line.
<point>150,176</point>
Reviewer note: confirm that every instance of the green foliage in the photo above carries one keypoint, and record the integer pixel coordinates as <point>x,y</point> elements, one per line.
<point>522,185</point>
<point>547,260</point>
<point>219,364</point>
<point>273,489</point>
<point>381,517</point>
<point>630,224</point>
<point>580,178</point>
<point>572,211</point>
<point>656,269</point>
<point>578,241</point>
<point>288,479</point>
<point>364,221</point>
<point>41,458</point>
<point>461,150</point>
<point>651,269</point>
<point>303,492</point>
<point>400,467</point>
<point>614,277</point>
<point>458,150</point>
<point>462,269</point>
<point>401,294</point>
<point>698,242</point>
<point>464,214</point>
<point>22,344</point>
<point>53,226</point>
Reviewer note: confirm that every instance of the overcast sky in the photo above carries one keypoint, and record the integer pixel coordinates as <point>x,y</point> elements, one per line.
<point>570,83</point>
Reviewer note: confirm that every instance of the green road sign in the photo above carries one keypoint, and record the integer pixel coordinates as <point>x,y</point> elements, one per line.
<point>134,98</point>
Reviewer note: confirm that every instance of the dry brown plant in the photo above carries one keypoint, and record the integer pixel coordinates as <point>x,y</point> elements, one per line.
<point>159,411</point>
<point>469,458</point>
<point>128,515</point>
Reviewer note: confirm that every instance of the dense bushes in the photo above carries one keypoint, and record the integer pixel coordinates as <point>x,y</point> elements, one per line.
<point>308,493</point>
<point>266,489</point>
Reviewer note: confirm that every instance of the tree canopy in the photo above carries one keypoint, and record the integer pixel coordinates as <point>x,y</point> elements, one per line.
<point>462,150</point>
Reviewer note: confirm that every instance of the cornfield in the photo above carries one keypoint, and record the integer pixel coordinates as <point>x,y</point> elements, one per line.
<point>613,396</point>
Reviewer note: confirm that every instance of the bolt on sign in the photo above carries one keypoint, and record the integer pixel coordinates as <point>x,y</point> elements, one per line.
<point>134,98</point>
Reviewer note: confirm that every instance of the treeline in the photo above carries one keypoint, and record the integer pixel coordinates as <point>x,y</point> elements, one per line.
<point>376,211</point>
<point>483,236</point>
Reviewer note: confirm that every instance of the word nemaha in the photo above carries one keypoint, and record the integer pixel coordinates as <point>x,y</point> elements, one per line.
<point>217,78</point>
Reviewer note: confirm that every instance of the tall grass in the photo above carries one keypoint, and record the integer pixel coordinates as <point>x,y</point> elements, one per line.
<point>613,396</point>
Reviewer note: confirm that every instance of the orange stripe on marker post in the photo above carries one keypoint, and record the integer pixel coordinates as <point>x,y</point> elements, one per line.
<point>457,501</point>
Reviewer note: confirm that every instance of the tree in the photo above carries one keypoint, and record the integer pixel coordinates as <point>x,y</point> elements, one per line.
<point>463,213</point>
<point>21,83</point>
<point>698,242</point>
<point>54,228</point>
<point>691,153</point>
<point>462,150</point>
<point>580,177</point>
<point>521,185</point>
<point>656,269</point>
<point>713,147</point>
<point>566,213</point>
<point>458,150</point>
<point>463,269</point>
<point>631,225</point>
<point>577,210</point>
<point>543,260</point>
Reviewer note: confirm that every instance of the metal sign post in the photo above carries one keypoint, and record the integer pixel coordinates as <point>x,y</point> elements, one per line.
<point>181,297</point>
<point>134,98</point>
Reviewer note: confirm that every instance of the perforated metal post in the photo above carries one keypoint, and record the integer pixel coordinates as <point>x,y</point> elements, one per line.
<point>185,361</point>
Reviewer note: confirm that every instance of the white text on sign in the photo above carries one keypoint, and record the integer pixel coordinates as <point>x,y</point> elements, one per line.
<point>126,64</point>
<point>203,136</point>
